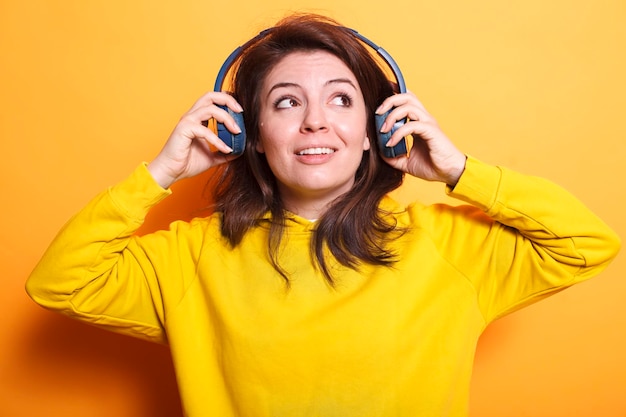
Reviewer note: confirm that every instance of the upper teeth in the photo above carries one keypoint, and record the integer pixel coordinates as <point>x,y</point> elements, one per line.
<point>315,151</point>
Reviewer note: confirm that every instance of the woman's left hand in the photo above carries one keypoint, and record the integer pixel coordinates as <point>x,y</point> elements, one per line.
<point>433,157</point>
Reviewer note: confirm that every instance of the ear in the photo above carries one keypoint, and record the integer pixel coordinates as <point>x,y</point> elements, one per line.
<point>259,141</point>
<point>366,143</point>
<point>259,145</point>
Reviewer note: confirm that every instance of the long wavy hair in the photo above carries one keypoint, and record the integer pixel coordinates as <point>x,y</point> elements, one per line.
<point>353,229</point>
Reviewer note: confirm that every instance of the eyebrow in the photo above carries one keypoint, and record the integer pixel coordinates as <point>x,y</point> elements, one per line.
<point>341,81</point>
<point>329,82</point>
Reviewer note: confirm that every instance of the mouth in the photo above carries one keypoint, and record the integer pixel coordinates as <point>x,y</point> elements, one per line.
<point>316,151</point>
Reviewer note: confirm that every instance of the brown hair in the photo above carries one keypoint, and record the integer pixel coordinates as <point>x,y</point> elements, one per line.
<point>353,228</point>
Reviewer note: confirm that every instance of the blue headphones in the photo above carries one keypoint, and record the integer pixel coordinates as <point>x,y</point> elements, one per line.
<point>237,142</point>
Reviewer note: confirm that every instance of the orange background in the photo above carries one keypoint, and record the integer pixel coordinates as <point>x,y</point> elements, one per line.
<point>91,88</point>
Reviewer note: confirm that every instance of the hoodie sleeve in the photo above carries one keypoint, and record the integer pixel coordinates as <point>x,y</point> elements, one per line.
<point>95,271</point>
<point>522,239</point>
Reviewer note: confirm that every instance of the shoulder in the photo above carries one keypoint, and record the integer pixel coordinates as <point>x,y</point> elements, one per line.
<point>187,235</point>
<point>429,217</point>
<point>208,226</point>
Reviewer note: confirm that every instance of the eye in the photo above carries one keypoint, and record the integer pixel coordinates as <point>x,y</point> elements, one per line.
<point>285,103</point>
<point>343,100</point>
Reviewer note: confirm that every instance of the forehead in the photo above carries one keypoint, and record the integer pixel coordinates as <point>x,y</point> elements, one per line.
<point>307,65</point>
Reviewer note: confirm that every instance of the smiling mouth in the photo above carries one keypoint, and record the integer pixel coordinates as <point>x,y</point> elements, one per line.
<point>316,151</point>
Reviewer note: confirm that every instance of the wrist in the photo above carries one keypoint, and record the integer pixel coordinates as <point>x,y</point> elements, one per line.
<point>160,175</point>
<point>455,172</point>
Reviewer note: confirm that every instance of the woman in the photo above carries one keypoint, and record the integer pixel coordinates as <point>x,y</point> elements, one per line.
<point>310,292</point>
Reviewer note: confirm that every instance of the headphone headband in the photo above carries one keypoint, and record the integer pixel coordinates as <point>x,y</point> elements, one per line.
<point>391,63</point>
<point>237,142</point>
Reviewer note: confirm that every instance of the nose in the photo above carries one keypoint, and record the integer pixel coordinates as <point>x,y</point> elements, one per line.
<point>314,119</point>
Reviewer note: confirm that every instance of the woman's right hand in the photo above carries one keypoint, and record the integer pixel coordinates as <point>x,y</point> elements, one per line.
<point>188,151</point>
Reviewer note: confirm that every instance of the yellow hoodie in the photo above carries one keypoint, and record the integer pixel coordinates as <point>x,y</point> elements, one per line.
<point>393,341</point>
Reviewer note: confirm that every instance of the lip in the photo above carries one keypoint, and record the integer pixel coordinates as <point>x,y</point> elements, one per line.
<point>315,150</point>
<point>315,154</point>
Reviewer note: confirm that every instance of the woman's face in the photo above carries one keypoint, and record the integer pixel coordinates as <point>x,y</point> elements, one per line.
<point>312,126</point>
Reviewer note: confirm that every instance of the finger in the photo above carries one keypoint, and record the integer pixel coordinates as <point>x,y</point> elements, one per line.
<point>203,136</point>
<point>210,137</point>
<point>203,114</point>
<point>218,156</point>
<point>219,98</point>
<point>398,100</point>
<point>411,129</point>
<point>405,113</point>
<point>400,164</point>
<point>417,101</point>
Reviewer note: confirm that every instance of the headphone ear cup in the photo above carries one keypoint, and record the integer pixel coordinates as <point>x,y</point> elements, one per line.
<point>237,142</point>
<point>394,151</point>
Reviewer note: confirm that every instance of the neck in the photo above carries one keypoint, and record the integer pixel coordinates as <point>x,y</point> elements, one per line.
<point>307,209</point>
<point>309,206</point>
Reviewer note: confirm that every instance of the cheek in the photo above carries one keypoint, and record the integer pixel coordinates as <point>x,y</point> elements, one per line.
<point>264,130</point>
<point>276,132</point>
<point>354,130</point>
<point>270,136</point>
